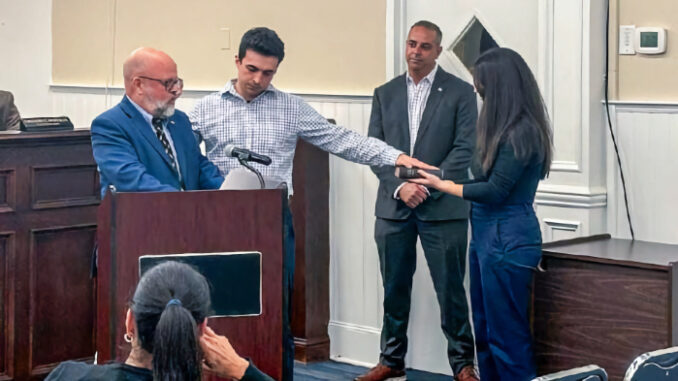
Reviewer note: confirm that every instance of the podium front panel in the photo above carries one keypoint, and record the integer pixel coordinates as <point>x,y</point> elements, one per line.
<point>136,224</point>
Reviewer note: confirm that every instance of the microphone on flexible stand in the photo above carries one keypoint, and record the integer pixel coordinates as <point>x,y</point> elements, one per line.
<point>244,156</point>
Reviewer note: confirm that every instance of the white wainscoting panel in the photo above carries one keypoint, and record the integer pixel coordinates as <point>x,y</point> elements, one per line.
<point>567,100</point>
<point>647,135</point>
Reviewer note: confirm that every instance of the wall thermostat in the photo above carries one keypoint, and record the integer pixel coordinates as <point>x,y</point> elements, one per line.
<point>650,40</point>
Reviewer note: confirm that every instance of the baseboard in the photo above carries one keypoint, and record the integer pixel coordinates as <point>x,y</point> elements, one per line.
<point>354,344</point>
<point>312,350</point>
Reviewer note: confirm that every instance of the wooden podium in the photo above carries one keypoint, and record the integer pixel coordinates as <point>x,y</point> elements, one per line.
<point>136,224</point>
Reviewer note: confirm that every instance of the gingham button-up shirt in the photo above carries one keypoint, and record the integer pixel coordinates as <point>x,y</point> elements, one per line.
<point>270,125</point>
<point>417,95</point>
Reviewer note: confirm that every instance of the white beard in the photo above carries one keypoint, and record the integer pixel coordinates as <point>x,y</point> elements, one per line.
<point>163,110</point>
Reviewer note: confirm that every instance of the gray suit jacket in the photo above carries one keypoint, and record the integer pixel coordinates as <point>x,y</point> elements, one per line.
<point>446,139</point>
<point>9,115</point>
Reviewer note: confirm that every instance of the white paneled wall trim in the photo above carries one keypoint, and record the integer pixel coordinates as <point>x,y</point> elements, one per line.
<point>570,196</point>
<point>199,93</point>
<point>551,225</point>
<point>82,103</point>
<point>347,338</point>
<point>650,107</point>
<point>647,136</point>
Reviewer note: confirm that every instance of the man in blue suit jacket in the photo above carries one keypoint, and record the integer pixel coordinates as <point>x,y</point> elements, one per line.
<point>143,144</point>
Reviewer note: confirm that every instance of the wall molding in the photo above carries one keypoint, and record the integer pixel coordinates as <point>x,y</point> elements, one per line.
<point>353,343</point>
<point>565,166</point>
<point>570,197</point>
<point>550,35</point>
<point>545,52</point>
<point>645,107</point>
<point>396,30</point>
<point>553,224</point>
<point>355,327</point>
<point>199,93</point>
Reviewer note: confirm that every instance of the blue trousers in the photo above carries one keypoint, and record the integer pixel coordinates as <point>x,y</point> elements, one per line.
<point>504,252</point>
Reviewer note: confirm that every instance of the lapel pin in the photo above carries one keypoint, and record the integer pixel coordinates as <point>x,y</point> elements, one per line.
<point>440,89</point>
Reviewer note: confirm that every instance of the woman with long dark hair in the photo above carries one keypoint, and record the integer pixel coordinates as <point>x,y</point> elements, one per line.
<point>514,151</point>
<point>166,326</point>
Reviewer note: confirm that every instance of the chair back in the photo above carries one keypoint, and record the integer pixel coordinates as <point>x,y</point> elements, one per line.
<point>655,366</point>
<point>584,373</point>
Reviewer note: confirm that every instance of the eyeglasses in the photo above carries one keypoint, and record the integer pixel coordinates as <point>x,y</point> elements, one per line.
<point>171,84</point>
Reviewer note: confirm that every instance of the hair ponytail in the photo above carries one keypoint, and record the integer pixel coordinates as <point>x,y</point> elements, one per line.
<point>176,355</point>
<point>169,303</point>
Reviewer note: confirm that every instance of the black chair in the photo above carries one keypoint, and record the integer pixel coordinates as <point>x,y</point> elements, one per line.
<point>654,366</point>
<point>584,373</point>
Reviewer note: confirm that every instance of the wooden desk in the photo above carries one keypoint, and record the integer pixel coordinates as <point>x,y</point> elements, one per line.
<point>49,192</point>
<point>604,301</point>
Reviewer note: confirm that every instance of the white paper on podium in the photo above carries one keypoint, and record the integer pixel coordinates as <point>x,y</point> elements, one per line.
<point>242,178</point>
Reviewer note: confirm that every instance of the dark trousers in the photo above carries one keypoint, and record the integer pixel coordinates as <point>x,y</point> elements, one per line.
<point>504,252</point>
<point>444,244</point>
<point>288,286</point>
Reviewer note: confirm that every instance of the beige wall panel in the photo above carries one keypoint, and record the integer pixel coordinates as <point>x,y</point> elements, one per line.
<point>335,47</point>
<point>81,42</point>
<point>647,77</point>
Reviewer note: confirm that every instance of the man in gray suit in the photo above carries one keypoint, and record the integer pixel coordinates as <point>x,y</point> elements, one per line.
<point>9,115</point>
<point>431,115</point>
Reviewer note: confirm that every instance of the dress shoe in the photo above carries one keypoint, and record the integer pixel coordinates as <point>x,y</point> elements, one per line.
<point>467,373</point>
<point>382,373</point>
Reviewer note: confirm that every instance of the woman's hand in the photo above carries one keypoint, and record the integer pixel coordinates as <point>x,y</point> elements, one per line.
<point>220,357</point>
<point>429,180</point>
<point>434,181</point>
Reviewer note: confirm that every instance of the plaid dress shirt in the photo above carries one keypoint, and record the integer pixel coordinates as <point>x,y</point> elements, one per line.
<point>270,125</point>
<point>417,96</point>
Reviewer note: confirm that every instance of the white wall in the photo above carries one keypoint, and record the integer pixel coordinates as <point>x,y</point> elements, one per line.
<point>26,58</point>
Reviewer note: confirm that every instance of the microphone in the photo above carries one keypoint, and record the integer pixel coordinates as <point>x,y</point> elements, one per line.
<point>246,155</point>
<point>412,173</point>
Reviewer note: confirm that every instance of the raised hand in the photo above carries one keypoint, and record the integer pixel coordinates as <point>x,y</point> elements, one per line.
<point>220,357</point>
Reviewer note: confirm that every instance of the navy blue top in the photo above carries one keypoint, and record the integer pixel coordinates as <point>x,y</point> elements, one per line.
<point>80,371</point>
<point>508,181</point>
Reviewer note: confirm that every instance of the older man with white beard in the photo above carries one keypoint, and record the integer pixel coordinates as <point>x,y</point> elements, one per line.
<point>143,144</point>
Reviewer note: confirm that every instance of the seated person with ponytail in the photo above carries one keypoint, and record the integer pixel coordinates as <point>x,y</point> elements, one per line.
<point>166,325</point>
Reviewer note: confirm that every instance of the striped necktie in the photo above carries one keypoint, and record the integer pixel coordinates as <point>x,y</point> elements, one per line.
<point>160,133</point>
